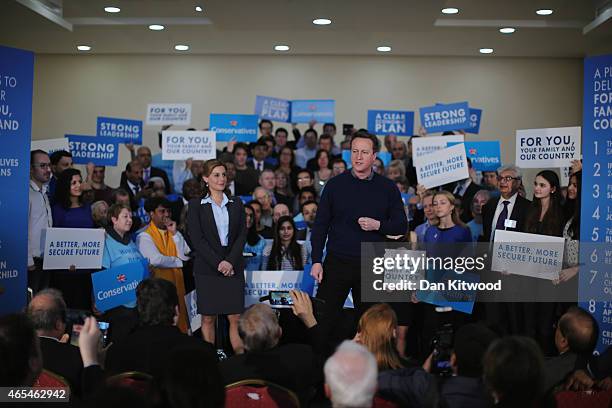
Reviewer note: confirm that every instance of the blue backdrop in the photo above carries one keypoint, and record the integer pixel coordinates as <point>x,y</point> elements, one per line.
<point>16,76</point>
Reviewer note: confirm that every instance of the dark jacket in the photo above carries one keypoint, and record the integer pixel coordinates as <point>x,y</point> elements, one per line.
<point>519,214</point>
<point>465,392</point>
<point>63,359</point>
<point>155,172</point>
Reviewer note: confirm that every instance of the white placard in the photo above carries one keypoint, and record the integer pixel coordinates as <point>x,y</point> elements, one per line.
<point>260,283</point>
<point>545,148</point>
<point>422,146</point>
<point>519,253</point>
<point>191,302</point>
<point>51,145</point>
<point>184,144</point>
<point>442,167</point>
<point>564,176</point>
<point>81,247</point>
<point>168,114</point>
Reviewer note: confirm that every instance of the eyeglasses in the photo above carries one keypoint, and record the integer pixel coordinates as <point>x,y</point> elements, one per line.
<point>42,165</point>
<point>507,179</point>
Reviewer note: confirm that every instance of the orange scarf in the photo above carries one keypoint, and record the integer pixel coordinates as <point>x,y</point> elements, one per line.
<point>166,246</point>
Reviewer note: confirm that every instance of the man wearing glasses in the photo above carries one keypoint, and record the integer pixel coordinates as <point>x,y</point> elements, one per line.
<point>39,218</point>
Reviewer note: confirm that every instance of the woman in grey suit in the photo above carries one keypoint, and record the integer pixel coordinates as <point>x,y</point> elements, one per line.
<point>217,230</point>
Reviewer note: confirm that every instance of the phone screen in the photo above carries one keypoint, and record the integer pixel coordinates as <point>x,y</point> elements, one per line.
<point>280,299</point>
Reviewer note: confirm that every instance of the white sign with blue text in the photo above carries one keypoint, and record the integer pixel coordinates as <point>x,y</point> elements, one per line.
<point>544,148</point>
<point>184,144</point>
<point>260,283</point>
<point>422,146</point>
<point>51,145</point>
<point>160,114</point>
<point>442,167</point>
<point>191,303</point>
<point>81,247</point>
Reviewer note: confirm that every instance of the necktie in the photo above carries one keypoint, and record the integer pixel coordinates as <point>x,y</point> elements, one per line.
<point>502,216</point>
<point>147,175</point>
<point>136,189</point>
<point>259,166</point>
<point>459,190</point>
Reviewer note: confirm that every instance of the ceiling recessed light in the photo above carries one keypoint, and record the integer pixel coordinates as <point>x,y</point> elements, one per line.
<point>507,30</point>
<point>199,9</point>
<point>281,48</point>
<point>486,50</point>
<point>83,47</point>
<point>321,21</point>
<point>181,47</point>
<point>383,48</point>
<point>156,27</point>
<point>112,9</point>
<point>450,10</point>
<point>544,12</point>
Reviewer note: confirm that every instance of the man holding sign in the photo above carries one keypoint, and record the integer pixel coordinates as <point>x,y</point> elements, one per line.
<point>356,206</point>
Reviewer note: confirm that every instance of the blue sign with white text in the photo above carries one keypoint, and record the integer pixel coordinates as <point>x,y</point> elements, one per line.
<point>123,130</point>
<point>399,123</point>
<point>272,108</point>
<point>485,155</point>
<point>595,278</point>
<point>474,121</point>
<point>117,286</point>
<point>228,126</point>
<point>101,151</point>
<point>17,72</point>
<point>445,117</point>
<point>306,110</point>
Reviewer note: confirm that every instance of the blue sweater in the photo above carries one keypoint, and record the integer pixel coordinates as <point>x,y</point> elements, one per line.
<point>345,199</point>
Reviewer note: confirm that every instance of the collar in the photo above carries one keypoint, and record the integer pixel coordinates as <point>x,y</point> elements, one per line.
<point>126,237</point>
<point>35,187</point>
<point>369,178</point>
<point>511,199</point>
<point>49,337</point>
<point>131,185</point>
<point>208,200</point>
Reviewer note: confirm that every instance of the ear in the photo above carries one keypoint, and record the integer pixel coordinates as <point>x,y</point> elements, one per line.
<point>327,391</point>
<point>453,360</point>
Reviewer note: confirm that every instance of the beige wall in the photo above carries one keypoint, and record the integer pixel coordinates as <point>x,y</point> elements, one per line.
<point>514,93</point>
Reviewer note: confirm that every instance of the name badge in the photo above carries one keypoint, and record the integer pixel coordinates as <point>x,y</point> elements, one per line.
<point>510,223</point>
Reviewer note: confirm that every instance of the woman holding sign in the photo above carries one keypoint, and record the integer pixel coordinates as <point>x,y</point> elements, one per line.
<point>216,227</point>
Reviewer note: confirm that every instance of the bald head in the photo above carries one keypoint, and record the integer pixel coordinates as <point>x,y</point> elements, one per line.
<point>577,332</point>
<point>279,211</point>
<point>47,310</point>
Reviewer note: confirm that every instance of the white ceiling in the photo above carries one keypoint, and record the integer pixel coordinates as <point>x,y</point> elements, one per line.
<point>410,27</point>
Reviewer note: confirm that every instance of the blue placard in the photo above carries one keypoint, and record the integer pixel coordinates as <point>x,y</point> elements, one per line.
<point>474,121</point>
<point>596,213</point>
<point>242,128</point>
<point>272,108</point>
<point>485,155</point>
<point>460,300</point>
<point>101,151</point>
<point>399,123</point>
<point>117,286</point>
<point>321,110</point>
<point>122,130</point>
<point>441,117</point>
<point>17,70</point>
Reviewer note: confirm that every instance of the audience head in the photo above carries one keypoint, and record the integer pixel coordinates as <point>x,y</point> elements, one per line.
<point>489,178</point>
<point>267,179</point>
<point>445,204</point>
<point>470,344</point>
<point>396,169</point>
<point>120,218</point>
<point>99,212</point>
<point>260,150</point>
<point>389,141</point>
<point>379,167</point>
<point>68,188</point>
<point>197,168</point>
<point>509,180</point>
<point>402,184</point>
<point>285,230</point>
<point>480,199</point>
<point>377,330</point>
<point>20,356</point>
<point>338,166</point>
<point>329,129</point>
<point>398,152</point>
<point>286,156</point>
<point>120,196</point>
<point>60,161</point>
<point>47,311</point>
<point>310,138</point>
<point>326,142</point>
<point>134,172</point>
<point>306,194</point>
<point>323,159</point>
<point>256,205</point>
<point>280,137</point>
<point>40,167</point>
<point>279,211</point>
<point>143,155</point>
<point>264,197</point>
<point>305,178</point>
<point>157,302</point>
<point>192,188</point>
<point>285,245</point>
<point>159,186</point>
<point>309,211</point>
<point>351,376</point>
<point>258,328</point>
<point>98,174</point>
<point>546,185</point>
<point>281,181</point>
<point>265,127</point>
<point>214,176</point>
<point>241,153</point>
<point>576,332</point>
<point>159,209</point>
<point>230,171</point>
<point>513,370</point>
<point>428,208</point>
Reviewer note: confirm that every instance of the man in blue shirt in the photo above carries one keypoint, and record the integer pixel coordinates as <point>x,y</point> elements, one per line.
<point>356,206</point>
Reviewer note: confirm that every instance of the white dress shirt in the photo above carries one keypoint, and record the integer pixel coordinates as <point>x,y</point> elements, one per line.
<point>135,189</point>
<point>147,248</point>
<point>500,208</point>
<point>39,219</point>
<point>221,216</point>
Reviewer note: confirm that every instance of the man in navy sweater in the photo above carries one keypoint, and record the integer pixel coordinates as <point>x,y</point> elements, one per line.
<point>356,206</point>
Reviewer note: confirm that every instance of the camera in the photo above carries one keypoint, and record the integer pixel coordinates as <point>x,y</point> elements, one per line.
<point>442,345</point>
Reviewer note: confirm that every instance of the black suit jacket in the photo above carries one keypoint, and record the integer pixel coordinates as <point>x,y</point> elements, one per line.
<point>155,172</point>
<point>124,185</point>
<point>148,348</point>
<point>519,214</point>
<point>293,366</point>
<point>63,359</point>
<point>266,166</point>
<point>204,237</point>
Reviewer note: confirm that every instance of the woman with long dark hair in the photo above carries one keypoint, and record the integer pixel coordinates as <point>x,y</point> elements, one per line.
<point>571,231</point>
<point>323,170</point>
<point>285,253</point>
<point>255,243</point>
<point>286,163</point>
<point>217,229</point>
